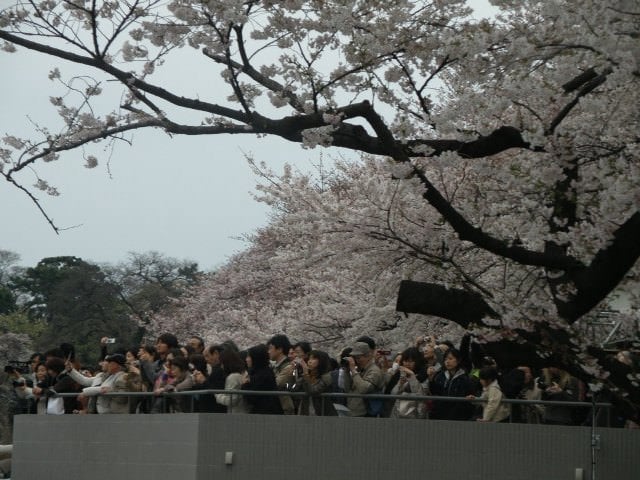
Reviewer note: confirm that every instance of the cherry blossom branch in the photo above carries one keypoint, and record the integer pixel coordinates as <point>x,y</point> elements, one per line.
<point>465,230</point>
<point>167,125</point>
<point>255,75</point>
<point>127,78</point>
<point>126,20</point>
<point>353,137</point>
<point>33,198</point>
<point>53,29</point>
<point>346,135</point>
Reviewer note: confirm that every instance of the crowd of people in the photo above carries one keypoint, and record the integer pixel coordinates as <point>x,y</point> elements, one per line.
<point>367,382</point>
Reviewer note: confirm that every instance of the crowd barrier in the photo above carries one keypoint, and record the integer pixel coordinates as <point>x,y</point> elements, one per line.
<point>599,410</point>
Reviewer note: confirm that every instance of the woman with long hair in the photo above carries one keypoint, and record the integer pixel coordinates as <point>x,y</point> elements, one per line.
<point>409,379</point>
<point>316,379</point>
<point>235,370</point>
<point>261,378</point>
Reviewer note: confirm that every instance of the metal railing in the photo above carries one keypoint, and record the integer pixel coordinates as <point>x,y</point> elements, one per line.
<point>594,407</point>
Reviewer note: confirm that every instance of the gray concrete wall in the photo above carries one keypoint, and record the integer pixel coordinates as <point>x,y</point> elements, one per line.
<point>193,446</point>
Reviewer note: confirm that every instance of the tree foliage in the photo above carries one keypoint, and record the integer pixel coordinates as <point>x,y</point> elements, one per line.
<point>19,323</point>
<point>538,105</point>
<point>148,281</point>
<point>77,304</point>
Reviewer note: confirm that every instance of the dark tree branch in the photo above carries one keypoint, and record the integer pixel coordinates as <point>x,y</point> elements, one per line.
<point>460,306</point>
<point>588,87</point>
<point>607,269</point>
<point>465,230</point>
<point>498,141</point>
<point>36,201</point>
<point>347,135</point>
<point>579,80</point>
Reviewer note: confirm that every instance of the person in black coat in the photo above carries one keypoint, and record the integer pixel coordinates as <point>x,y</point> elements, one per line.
<point>212,381</point>
<point>61,382</point>
<point>261,378</point>
<point>451,381</point>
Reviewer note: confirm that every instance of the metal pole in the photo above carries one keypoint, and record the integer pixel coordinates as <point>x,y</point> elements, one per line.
<point>594,438</point>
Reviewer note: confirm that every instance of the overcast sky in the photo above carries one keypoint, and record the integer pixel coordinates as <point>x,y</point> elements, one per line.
<point>186,197</point>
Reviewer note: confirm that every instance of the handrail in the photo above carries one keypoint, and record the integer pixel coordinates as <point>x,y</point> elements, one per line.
<point>384,396</point>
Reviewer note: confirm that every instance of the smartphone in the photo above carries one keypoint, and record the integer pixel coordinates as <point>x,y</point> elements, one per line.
<point>111,340</point>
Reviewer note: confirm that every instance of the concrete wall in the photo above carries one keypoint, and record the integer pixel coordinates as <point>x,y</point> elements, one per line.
<point>193,446</point>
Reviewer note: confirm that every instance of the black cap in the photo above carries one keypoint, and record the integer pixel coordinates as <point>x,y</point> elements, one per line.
<point>116,357</point>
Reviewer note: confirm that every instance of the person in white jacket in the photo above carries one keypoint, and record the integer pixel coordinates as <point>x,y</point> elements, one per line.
<point>409,380</point>
<point>493,409</point>
<point>235,371</point>
<point>114,381</point>
<point>88,401</point>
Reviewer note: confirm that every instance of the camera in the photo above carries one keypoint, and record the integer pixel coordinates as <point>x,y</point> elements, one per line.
<point>542,385</point>
<point>110,340</point>
<point>19,382</point>
<point>17,367</point>
<point>344,362</point>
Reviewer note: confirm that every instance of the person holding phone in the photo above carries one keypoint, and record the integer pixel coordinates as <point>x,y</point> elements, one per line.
<point>410,379</point>
<point>115,380</point>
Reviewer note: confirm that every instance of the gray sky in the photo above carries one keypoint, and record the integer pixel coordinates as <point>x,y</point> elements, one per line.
<point>184,196</point>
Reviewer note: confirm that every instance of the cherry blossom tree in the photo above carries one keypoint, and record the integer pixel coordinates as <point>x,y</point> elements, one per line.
<point>326,268</point>
<point>538,105</point>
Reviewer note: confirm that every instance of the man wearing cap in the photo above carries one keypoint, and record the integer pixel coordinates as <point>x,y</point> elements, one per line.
<point>115,381</point>
<point>95,381</point>
<point>364,377</point>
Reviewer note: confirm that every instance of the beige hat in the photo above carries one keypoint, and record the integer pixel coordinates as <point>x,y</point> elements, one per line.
<point>360,348</point>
